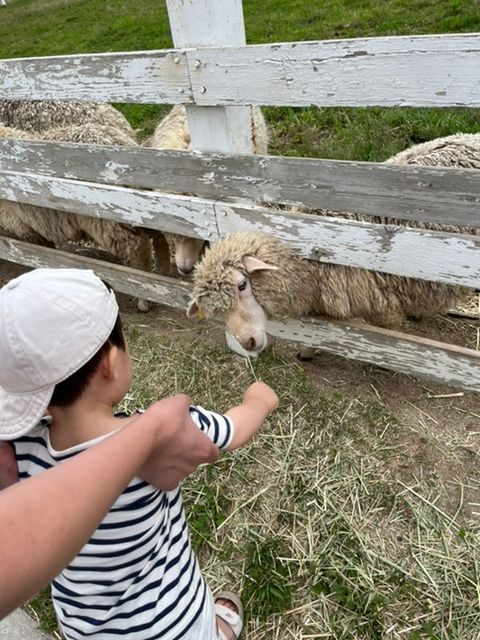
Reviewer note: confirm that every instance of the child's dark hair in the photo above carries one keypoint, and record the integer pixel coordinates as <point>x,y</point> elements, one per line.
<point>69,390</point>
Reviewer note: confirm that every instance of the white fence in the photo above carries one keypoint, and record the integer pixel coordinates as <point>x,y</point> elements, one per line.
<point>210,70</point>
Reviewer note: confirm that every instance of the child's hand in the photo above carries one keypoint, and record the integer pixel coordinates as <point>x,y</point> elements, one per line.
<point>261,391</point>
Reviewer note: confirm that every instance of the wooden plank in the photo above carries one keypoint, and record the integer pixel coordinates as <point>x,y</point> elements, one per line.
<point>206,23</point>
<point>420,71</point>
<point>439,195</point>
<point>443,257</point>
<point>143,77</point>
<point>172,213</point>
<point>450,258</point>
<point>140,284</point>
<point>421,357</point>
<point>393,350</point>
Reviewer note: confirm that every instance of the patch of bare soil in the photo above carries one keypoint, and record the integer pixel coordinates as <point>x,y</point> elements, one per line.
<point>437,428</point>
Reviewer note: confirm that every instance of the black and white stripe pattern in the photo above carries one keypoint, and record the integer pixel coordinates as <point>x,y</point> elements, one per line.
<point>137,576</point>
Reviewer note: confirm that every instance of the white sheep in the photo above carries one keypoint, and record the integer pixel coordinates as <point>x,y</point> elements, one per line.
<point>41,115</point>
<point>172,133</point>
<point>41,225</point>
<point>249,277</point>
<point>457,150</point>
<point>262,277</point>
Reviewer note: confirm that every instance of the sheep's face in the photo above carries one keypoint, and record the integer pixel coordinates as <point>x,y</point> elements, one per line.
<point>187,253</point>
<point>233,300</point>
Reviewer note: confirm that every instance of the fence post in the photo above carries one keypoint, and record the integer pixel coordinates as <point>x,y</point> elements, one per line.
<point>195,23</point>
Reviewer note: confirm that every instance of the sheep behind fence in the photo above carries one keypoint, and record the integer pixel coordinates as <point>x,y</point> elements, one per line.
<point>209,71</point>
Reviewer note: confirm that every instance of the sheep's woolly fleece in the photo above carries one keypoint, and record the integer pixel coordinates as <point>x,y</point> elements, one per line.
<point>49,227</point>
<point>89,133</point>
<point>301,287</point>
<point>41,115</point>
<point>172,131</point>
<point>458,150</point>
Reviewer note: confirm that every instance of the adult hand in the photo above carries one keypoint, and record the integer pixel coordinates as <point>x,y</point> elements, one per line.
<point>8,465</point>
<point>179,445</point>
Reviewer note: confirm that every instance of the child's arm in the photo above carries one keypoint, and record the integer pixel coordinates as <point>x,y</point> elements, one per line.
<point>259,401</point>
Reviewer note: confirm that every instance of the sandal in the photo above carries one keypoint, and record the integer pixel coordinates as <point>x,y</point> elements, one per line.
<point>233,619</point>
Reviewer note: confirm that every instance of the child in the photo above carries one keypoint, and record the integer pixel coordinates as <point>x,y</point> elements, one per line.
<point>62,349</point>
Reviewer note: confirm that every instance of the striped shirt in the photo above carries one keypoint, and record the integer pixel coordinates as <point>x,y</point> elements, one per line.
<point>137,577</point>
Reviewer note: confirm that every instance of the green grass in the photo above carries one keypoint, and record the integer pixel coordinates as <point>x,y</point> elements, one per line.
<point>54,27</point>
<point>315,522</point>
<point>311,521</point>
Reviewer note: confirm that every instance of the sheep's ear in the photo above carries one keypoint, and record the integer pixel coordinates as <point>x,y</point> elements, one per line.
<point>194,311</point>
<point>253,264</point>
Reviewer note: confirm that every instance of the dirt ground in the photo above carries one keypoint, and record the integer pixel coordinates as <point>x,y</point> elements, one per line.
<point>438,427</point>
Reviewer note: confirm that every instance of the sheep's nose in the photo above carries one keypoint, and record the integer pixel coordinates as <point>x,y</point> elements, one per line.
<point>185,271</point>
<point>250,344</point>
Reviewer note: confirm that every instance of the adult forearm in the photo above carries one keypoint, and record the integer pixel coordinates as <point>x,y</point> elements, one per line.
<point>46,520</point>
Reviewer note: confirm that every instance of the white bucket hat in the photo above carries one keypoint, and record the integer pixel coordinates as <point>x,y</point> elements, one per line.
<point>52,321</point>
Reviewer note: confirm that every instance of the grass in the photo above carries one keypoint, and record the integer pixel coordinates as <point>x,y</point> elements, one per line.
<point>312,521</point>
<point>55,27</point>
<point>320,522</point>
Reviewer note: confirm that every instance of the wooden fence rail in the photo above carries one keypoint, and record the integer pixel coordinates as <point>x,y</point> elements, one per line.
<point>421,71</point>
<point>431,255</point>
<point>392,350</point>
<point>437,195</point>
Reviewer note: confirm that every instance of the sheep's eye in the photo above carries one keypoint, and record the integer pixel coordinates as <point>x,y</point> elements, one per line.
<point>242,286</point>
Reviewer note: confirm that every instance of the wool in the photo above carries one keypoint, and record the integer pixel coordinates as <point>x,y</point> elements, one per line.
<point>40,115</point>
<point>300,287</point>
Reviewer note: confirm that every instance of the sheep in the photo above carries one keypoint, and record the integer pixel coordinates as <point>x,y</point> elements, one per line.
<point>457,150</point>
<point>408,297</point>
<point>49,227</point>
<point>90,133</point>
<point>249,277</point>
<point>172,133</point>
<point>40,115</point>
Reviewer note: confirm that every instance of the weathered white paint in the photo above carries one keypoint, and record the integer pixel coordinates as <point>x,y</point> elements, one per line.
<point>430,255</point>
<point>416,71</point>
<point>442,195</point>
<point>203,23</point>
<point>147,286</point>
<point>450,258</point>
<point>393,350</point>
<point>429,71</point>
<point>144,77</point>
<point>177,214</point>
<point>438,70</point>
